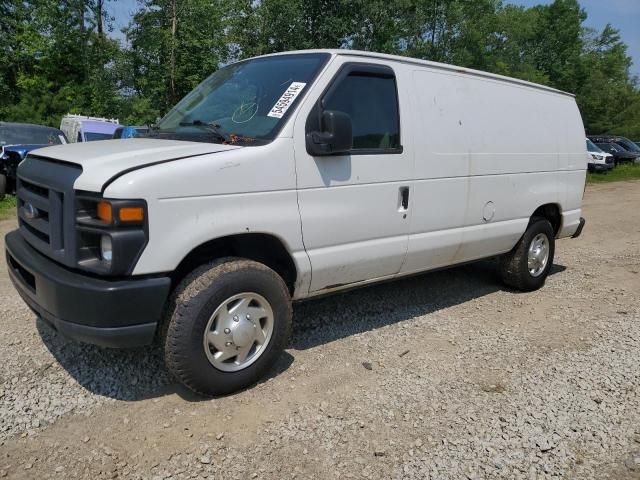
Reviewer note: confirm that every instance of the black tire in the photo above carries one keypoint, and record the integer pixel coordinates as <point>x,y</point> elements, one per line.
<point>3,186</point>
<point>194,302</point>
<point>514,268</point>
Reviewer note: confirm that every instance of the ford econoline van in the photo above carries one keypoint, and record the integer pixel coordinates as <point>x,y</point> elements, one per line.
<point>284,177</point>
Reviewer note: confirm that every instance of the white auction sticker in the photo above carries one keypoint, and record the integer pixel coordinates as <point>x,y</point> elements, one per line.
<point>285,101</point>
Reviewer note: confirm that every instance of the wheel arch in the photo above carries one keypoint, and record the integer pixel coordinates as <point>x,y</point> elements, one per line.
<point>552,212</point>
<point>260,247</point>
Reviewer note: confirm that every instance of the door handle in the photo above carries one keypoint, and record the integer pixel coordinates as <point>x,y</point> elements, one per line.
<point>404,198</point>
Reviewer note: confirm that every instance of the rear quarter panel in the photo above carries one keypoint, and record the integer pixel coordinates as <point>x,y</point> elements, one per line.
<point>501,146</point>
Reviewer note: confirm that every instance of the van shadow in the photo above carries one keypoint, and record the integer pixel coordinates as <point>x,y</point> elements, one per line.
<point>138,374</point>
<point>332,318</point>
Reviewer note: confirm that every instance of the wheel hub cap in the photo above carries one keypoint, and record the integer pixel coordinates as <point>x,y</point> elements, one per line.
<point>238,332</point>
<point>243,333</point>
<point>538,255</point>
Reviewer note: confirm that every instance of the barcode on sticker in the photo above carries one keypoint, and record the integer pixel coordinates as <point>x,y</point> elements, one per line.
<point>285,101</point>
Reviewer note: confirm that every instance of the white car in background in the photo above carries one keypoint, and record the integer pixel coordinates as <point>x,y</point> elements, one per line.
<point>599,160</point>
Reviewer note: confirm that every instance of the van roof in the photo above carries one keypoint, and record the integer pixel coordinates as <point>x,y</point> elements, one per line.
<point>427,63</point>
<point>79,118</point>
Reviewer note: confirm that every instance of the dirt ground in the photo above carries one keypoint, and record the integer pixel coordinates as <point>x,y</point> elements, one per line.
<point>443,375</point>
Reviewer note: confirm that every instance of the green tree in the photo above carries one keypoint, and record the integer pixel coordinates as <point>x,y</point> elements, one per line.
<point>174,46</point>
<point>58,57</point>
<point>608,97</point>
<point>60,61</point>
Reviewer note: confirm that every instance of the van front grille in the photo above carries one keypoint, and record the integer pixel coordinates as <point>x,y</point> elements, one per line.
<point>45,199</point>
<point>35,210</point>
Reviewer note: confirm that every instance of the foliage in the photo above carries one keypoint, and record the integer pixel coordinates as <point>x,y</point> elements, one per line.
<point>7,207</point>
<point>57,57</point>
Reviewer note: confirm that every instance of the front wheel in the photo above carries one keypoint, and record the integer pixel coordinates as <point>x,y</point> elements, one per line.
<point>229,322</point>
<point>526,266</point>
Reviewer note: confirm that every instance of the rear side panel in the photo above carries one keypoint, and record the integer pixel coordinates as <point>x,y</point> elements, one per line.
<point>573,162</point>
<point>489,153</point>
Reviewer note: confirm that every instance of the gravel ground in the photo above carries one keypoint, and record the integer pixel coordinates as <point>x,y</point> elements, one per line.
<point>444,375</point>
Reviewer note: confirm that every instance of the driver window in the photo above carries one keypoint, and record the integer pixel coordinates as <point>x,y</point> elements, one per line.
<point>372,103</point>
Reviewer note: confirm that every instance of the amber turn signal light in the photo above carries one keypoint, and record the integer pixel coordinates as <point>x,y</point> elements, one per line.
<point>105,213</point>
<point>131,214</point>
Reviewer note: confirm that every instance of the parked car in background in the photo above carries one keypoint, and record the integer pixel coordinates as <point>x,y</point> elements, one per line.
<point>129,132</point>
<point>79,128</point>
<point>618,140</point>
<point>637,142</point>
<point>619,153</point>
<point>18,139</point>
<point>599,160</point>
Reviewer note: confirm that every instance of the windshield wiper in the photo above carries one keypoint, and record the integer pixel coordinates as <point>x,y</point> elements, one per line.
<point>211,127</point>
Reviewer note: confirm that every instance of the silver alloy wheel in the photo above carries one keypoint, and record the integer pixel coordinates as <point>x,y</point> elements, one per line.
<point>238,332</point>
<point>538,255</point>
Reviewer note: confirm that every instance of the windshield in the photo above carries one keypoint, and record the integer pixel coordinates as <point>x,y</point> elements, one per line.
<point>592,147</point>
<point>609,147</point>
<point>244,103</point>
<point>628,145</point>
<point>30,135</point>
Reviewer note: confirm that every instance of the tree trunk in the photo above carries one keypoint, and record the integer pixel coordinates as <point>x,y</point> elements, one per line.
<point>83,36</point>
<point>99,14</point>
<point>172,60</point>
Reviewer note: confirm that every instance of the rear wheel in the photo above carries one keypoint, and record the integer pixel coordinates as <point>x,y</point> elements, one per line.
<point>230,321</point>
<point>526,266</point>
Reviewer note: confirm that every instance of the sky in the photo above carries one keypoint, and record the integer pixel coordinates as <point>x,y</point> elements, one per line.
<point>622,14</point>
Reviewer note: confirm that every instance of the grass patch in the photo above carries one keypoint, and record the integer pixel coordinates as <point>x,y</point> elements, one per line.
<point>620,173</point>
<point>8,207</point>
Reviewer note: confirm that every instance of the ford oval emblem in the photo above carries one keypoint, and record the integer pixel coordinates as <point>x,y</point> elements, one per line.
<point>30,211</point>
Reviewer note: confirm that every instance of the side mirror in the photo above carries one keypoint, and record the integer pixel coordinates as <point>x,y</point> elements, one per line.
<point>336,135</point>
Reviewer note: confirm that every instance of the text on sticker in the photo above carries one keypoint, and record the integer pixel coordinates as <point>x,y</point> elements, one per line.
<point>285,101</point>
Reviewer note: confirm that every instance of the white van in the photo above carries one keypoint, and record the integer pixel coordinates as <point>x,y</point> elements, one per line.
<point>80,128</point>
<point>284,177</point>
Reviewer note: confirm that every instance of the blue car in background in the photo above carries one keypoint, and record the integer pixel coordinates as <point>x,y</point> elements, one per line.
<point>18,139</point>
<point>129,132</point>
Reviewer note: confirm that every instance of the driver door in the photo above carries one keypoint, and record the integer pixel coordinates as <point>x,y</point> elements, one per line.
<point>355,207</point>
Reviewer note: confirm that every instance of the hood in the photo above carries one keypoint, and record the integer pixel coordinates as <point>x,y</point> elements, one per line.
<point>602,154</point>
<point>105,159</point>
<point>627,154</point>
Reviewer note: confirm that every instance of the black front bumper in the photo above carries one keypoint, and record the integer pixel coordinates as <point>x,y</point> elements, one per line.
<point>110,313</point>
<point>600,167</point>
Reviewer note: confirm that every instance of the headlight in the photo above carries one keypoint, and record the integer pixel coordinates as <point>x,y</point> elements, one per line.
<point>112,233</point>
<point>597,157</point>
<point>106,248</point>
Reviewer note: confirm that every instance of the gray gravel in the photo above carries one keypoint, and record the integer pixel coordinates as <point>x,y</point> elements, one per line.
<point>441,376</point>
